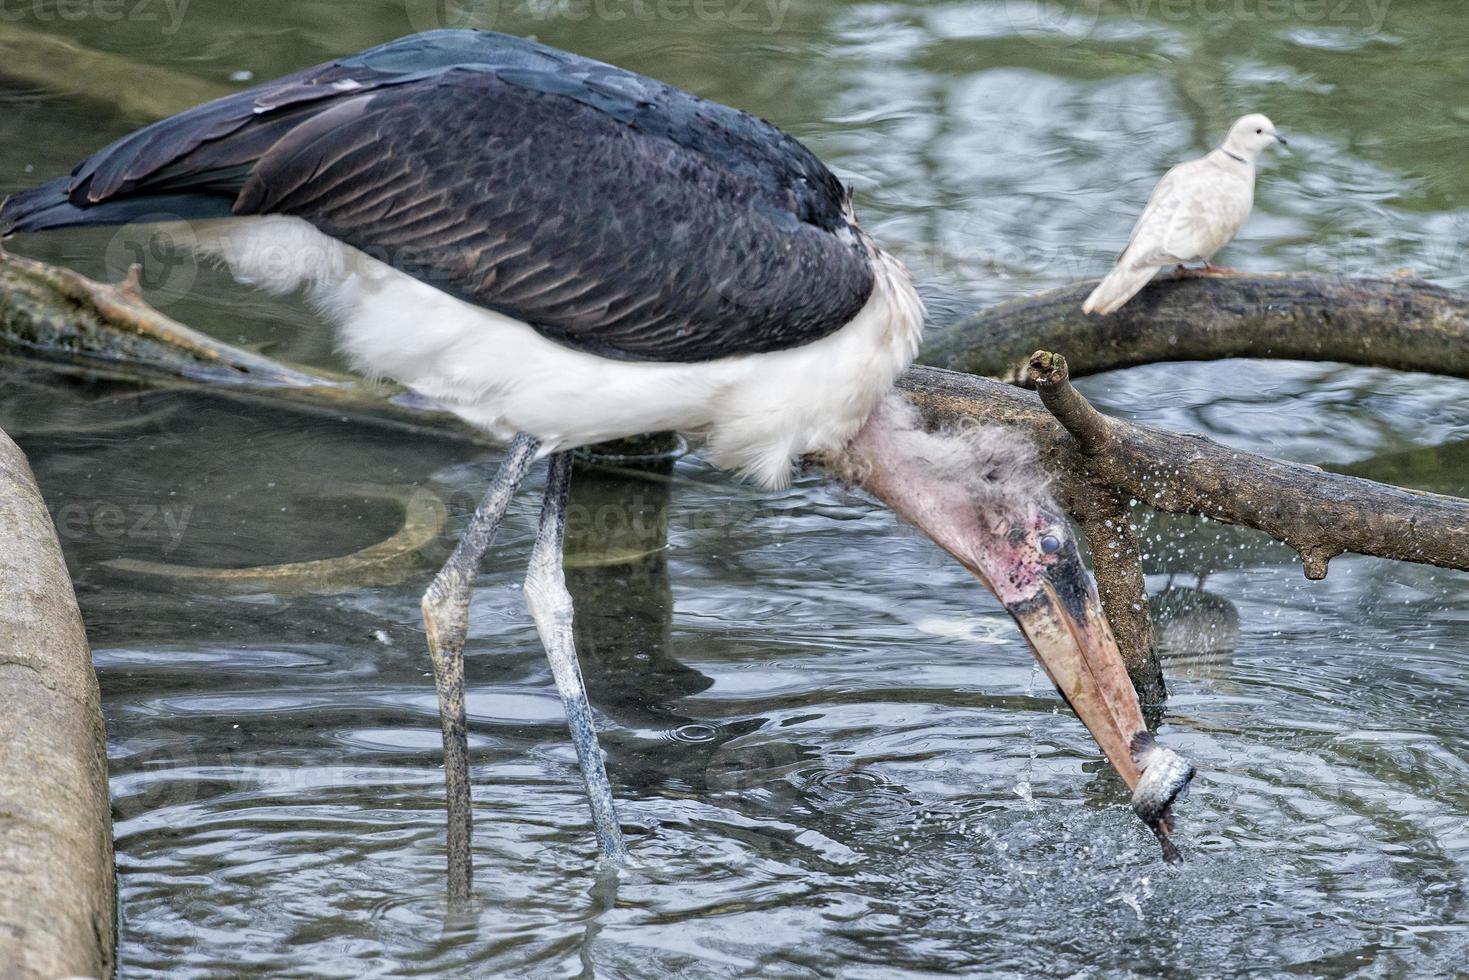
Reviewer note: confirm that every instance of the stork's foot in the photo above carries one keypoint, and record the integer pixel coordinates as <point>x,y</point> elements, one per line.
<point>446,620</point>
<point>550,607</point>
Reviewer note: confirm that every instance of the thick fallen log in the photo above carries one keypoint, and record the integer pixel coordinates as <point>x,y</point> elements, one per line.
<point>57,891</point>
<point>1396,321</point>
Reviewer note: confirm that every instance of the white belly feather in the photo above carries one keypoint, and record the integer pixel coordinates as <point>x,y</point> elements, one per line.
<point>754,412</point>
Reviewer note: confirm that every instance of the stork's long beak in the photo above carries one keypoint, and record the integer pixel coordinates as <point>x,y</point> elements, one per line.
<point>979,496</point>
<point>1065,627</point>
<point>1062,620</point>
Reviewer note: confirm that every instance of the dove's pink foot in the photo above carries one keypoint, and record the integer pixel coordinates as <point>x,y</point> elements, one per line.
<point>1207,269</point>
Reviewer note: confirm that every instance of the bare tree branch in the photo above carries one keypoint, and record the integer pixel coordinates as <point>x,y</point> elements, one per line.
<point>1395,321</point>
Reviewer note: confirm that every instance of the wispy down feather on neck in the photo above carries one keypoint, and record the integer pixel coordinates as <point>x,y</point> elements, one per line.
<point>991,464</point>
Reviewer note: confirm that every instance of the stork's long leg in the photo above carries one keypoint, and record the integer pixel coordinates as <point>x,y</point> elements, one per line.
<point>550,607</point>
<point>446,618</point>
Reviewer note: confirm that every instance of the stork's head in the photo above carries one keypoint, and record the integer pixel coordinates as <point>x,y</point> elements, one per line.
<point>980,494</point>
<point>1251,134</point>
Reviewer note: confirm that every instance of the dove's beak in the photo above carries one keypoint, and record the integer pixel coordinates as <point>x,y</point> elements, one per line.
<point>1281,140</point>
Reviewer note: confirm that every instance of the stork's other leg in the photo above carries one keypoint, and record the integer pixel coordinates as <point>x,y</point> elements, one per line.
<point>550,607</point>
<point>446,619</point>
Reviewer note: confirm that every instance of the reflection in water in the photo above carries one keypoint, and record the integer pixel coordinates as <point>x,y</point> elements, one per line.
<point>617,573</point>
<point>1196,633</point>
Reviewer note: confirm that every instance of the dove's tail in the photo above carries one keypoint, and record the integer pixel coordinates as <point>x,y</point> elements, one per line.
<point>1121,285</point>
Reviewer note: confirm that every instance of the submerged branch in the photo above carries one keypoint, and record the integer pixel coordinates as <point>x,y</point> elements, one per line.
<point>80,326</point>
<point>98,78</point>
<point>1398,321</point>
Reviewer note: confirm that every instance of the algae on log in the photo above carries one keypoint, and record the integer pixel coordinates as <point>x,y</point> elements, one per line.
<point>57,891</point>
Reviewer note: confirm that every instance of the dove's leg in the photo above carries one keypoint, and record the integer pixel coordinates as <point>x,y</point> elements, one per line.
<point>1207,269</point>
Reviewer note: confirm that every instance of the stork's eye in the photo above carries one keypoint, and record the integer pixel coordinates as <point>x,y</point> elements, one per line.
<point>1050,544</point>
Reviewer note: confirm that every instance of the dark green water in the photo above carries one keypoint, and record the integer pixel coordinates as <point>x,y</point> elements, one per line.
<point>833,748</point>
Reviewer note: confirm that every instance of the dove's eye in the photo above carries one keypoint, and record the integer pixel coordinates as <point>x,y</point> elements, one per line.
<point>1259,131</point>
<point>1050,544</point>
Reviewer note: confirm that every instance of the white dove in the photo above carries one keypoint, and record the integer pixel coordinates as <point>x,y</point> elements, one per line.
<point>1196,209</point>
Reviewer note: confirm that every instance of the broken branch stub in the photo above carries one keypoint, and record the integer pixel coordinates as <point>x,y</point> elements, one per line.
<point>1094,432</point>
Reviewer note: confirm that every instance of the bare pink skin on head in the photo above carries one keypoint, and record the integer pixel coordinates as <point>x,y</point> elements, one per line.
<point>978,493</point>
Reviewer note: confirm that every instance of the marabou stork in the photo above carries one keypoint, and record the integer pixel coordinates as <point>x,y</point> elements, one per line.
<point>563,252</point>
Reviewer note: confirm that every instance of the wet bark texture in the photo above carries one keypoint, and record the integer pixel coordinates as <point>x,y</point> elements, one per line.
<point>1396,321</point>
<point>57,892</point>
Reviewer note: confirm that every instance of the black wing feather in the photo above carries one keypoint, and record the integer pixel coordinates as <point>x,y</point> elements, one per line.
<point>613,213</point>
